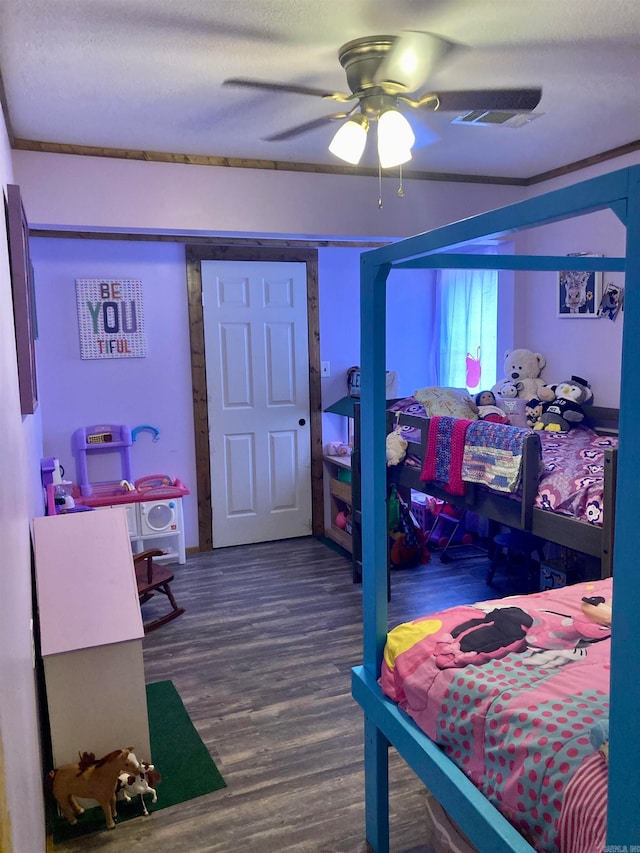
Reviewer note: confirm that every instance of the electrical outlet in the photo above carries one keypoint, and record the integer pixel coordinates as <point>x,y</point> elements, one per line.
<point>325,369</point>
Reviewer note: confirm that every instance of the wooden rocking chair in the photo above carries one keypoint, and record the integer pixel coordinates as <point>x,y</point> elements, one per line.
<point>151,578</point>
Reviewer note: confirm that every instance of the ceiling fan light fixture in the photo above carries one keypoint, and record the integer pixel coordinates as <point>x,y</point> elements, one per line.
<point>395,139</point>
<point>350,139</point>
<point>410,61</point>
<point>393,157</point>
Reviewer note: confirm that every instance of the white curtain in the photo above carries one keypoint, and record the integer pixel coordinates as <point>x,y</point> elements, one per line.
<point>467,312</point>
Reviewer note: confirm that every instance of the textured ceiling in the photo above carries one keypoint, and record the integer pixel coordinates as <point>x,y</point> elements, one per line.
<point>147,75</point>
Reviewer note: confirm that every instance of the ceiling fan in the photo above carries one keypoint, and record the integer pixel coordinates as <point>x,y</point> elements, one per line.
<point>384,74</point>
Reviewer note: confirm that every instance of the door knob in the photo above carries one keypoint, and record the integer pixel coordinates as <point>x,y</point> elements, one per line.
<point>301,422</point>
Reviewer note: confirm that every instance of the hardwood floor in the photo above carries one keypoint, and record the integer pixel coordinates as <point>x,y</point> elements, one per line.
<point>262,661</point>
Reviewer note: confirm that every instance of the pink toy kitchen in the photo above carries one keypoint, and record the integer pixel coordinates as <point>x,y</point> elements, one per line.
<point>153,503</point>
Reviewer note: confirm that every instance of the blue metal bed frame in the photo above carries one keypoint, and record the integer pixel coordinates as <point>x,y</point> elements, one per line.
<point>384,723</point>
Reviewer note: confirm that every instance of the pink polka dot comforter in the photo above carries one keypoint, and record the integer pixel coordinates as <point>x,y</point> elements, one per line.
<point>516,693</point>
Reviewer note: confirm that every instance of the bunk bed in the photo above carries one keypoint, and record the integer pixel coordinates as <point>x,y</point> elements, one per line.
<point>385,723</point>
<point>571,525</point>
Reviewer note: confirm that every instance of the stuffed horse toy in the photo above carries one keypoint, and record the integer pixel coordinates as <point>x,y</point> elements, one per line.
<point>93,779</point>
<point>131,785</point>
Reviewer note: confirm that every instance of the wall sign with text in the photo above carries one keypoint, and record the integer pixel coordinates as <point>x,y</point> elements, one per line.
<point>110,318</point>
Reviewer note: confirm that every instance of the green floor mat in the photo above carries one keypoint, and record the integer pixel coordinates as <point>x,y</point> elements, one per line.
<point>178,753</point>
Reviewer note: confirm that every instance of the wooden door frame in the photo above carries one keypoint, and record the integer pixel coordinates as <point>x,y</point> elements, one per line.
<point>195,254</point>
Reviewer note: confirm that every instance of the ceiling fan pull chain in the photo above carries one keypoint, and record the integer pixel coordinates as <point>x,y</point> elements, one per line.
<point>379,185</point>
<point>400,188</point>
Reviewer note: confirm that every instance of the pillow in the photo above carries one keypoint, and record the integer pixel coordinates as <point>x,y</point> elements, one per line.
<point>514,408</point>
<point>451,402</point>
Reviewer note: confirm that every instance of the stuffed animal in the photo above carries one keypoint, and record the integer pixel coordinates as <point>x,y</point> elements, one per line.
<point>508,390</point>
<point>94,780</point>
<point>565,412</point>
<point>338,448</point>
<point>597,609</point>
<point>396,447</point>
<point>533,411</point>
<point>136,784</point>
<point>522,368</point>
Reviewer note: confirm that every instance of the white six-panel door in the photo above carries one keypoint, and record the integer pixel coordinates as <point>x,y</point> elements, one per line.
<point>255,330</point>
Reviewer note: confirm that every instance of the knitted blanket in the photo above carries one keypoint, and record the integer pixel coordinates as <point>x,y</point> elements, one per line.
<point>493,455</point>
<point>445,452</point>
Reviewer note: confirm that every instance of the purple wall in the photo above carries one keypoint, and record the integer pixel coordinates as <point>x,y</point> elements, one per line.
<point>63,191</point>
<point>21,828</point>
<point>588,347</point>
<point>92,192</point>
<point>154,390</point>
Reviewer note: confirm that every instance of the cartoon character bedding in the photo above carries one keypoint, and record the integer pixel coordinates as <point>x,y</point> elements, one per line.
<point>516,692</point>
<point>572,471</point>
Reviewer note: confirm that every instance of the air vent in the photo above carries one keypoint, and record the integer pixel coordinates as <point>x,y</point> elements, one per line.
<point>487,118</point>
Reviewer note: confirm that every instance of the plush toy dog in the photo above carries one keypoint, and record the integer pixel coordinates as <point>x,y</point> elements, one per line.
<point>565,412</point>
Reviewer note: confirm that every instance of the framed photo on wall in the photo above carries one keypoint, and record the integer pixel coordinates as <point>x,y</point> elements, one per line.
<point>612,300</point>
<point>24,306</point>
<point>579,292</point>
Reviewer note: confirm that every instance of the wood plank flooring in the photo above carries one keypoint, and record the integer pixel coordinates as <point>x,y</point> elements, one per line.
<point>262,661</point>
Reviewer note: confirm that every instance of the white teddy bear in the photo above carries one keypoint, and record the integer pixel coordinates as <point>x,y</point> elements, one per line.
<point>522,368</point>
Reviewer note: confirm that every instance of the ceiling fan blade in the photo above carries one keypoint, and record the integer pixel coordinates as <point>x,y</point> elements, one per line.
<point>285,87</point>
<point>184,22</point>
<point>410,61</point>
<point>517,100</point>
<point>303,128</point>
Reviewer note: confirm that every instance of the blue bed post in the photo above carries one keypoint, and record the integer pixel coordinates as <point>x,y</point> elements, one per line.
<point>623,822</point>
<point>374,548</point>
<point>619,191</point>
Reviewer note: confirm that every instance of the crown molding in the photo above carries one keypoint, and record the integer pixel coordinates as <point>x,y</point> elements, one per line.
<point>246,163</point>
<point>311,168</point>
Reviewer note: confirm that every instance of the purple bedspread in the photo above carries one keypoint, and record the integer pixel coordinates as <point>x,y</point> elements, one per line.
<point>573,479</point>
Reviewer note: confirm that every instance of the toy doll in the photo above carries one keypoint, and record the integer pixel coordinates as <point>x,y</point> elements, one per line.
<point>484,404</point>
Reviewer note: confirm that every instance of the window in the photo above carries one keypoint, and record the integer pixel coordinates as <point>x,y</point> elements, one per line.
<point>467,312</point>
